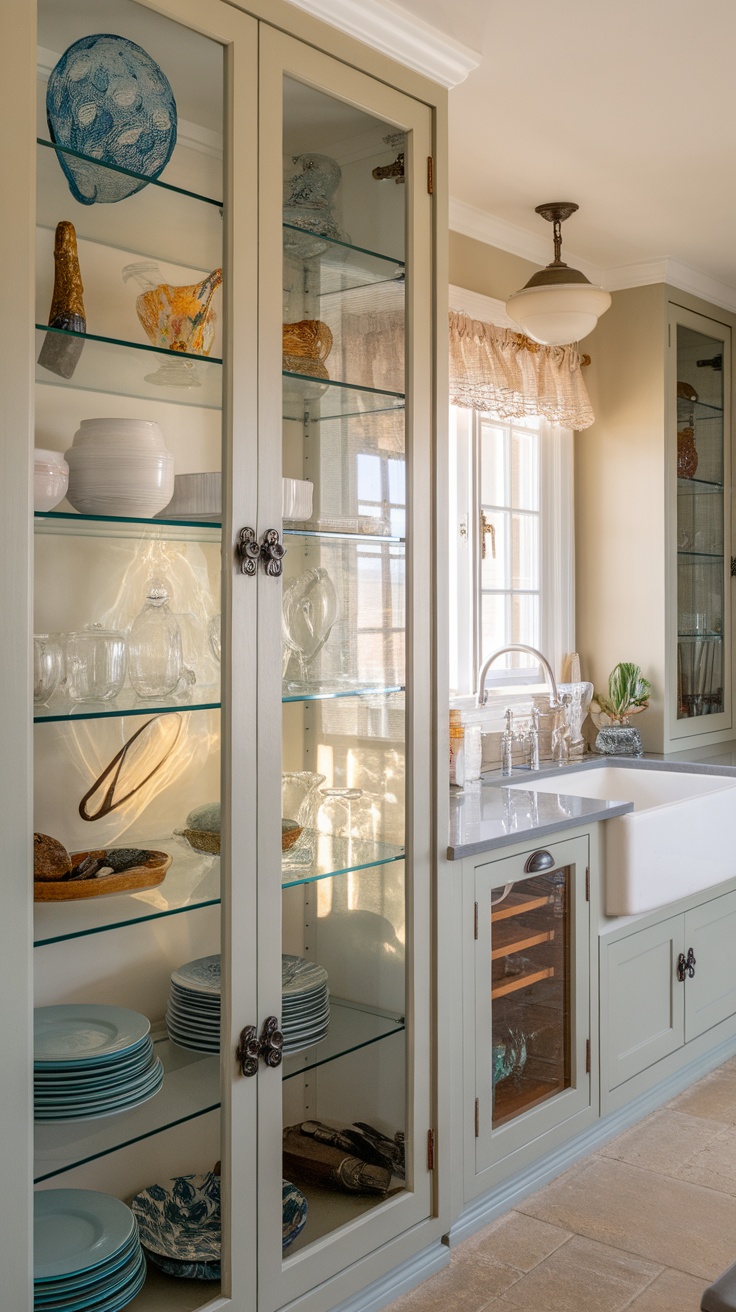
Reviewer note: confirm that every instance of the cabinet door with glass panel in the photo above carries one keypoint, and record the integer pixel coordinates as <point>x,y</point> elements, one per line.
<point>700,468</point>
<point>344,679</point>
<point>134,777</point>
<point>531,983</point>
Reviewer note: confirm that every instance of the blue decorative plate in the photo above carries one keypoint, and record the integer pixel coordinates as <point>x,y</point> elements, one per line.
<point>109,100</point>
<point>300,976</point>
<point>53,1289</point>
<point>108,1291</point>
<point>77,1033</point>
<point>76,1230</point>
<point>200,976</point>
<point>294,1213</point>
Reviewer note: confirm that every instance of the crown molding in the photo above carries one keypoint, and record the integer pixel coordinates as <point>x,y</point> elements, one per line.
<point>481,226</point>
<point>395,32</point>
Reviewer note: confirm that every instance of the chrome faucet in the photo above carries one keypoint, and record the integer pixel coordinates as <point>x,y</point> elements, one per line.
<point>554,697</point>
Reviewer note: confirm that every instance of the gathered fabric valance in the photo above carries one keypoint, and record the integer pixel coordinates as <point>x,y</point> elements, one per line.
<point>506,373</point>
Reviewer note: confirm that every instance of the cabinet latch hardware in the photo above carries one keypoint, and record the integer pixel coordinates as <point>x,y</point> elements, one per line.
<point>269,1046</point>
<point>587,1056</point>
<point>477,1118</point>
<point>538,861</point>
<point>430,175</point>
<point>430,1150</point>
<point>248,1050</point>
<point>249,551</point>
<point>686,965</point>
<point>486,529</point>
<point>475,921</point>
<point>272,552</point>
<point>733,567</point>
<point>587,883</point>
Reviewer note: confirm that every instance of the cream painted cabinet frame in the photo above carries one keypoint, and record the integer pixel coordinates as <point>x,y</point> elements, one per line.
<point>354,710</point>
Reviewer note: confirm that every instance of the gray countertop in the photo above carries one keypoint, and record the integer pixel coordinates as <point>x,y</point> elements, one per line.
<point>489,814</point>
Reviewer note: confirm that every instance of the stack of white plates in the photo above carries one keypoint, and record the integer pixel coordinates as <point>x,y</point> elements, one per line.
<point>119,467</point>
<point>193,1016</point>
<point>91,1061</point>
<point>305,1005</point>
<point>86,1252</point>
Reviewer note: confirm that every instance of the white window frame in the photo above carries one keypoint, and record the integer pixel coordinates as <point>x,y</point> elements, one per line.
<point>557,535</point>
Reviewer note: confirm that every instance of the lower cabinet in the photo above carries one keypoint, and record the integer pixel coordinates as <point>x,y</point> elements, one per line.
<point>527,1005</point>
<point>664,985</point>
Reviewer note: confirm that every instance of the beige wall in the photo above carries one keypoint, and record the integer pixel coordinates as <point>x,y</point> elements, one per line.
<point>485,269</point>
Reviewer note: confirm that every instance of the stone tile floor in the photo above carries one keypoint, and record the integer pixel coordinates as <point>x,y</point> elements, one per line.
<point>646,1223</point>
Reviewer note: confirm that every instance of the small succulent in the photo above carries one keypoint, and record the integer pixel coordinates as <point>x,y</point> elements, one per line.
<point>628,693</point>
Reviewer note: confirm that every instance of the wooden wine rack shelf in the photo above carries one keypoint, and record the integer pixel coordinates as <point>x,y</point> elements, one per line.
<point>517,938</point>
<point>517,904</point>
<point>521,981</point>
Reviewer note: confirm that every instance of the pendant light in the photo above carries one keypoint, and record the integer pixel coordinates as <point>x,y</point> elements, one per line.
<point>558,304</point>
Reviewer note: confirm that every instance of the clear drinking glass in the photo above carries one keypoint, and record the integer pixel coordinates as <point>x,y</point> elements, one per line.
<point>46,666</point>
<point>95,664</point>
<point>299,802</point>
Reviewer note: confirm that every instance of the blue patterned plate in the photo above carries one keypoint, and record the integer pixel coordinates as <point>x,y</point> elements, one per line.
<point>200,976</point>
<point>300,976</point>
<point>294,1208</point>
<point>76,1230</point>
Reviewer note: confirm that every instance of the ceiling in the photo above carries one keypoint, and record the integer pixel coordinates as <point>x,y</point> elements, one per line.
<point>627,108</point>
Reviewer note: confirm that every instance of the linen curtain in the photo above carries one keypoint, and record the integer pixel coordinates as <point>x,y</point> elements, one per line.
<point>502,372</point>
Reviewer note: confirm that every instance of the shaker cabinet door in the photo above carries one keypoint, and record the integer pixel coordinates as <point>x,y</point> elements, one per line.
<point>643,1000</point>
<point>710,994</point>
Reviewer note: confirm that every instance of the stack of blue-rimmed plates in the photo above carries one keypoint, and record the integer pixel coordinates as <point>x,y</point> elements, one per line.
<point>193,1015</point>
<point>91,1060</point>
<point>305,1002</point>
<point>87,1254</point>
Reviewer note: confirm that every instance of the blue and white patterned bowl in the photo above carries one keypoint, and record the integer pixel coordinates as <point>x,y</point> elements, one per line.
<point>179,1224</point>
<point>109,100</point>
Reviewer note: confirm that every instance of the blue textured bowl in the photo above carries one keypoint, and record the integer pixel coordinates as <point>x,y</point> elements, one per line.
<point>109,100</point>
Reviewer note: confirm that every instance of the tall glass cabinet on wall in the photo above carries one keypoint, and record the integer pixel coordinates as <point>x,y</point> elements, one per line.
<point>700,360</point>
<point>232,940</point>
<point>132,225</point>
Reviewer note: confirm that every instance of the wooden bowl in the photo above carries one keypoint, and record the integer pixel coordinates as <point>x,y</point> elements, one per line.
<point>150,872</point>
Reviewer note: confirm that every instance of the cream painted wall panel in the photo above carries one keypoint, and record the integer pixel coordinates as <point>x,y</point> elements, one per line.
<point>486,269</point>
<point>620,499</point>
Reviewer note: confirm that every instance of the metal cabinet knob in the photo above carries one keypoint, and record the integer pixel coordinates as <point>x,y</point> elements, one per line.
<point>686,966</point>
<point>269,1046</point>
<point>248,550</point>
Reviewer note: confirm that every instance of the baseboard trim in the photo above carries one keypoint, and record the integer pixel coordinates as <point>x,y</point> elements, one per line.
<point>515,1190</point>
<point>399,1281</point>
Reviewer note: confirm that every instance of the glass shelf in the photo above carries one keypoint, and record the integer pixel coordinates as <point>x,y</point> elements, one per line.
<point>696,557</point>
<point>116,168</point>
<point>341,856</point>
<point>351,1027</point>
<point>336,247</point>
<point>336,535</point>
<point>126,369</point>
<point>162,223</point>
<point>700,637</point>
<point>192,881</point>
<point>704,410</point>
<point>324,693</point>
<point>704,486</point>
<point>127,702</point>
<point>316,401</point>
<point>67,524</point>
<point>190,1089</point>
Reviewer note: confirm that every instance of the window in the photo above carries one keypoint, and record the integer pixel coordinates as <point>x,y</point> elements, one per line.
<point>511,537</point>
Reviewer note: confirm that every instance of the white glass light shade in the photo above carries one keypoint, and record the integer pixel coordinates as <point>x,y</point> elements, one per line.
<point>559,313</point>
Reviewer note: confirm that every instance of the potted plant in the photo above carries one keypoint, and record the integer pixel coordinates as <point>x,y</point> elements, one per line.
<point>628,694</point>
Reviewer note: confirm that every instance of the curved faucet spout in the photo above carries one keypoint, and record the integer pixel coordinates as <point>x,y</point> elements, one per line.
<point>482,697</point>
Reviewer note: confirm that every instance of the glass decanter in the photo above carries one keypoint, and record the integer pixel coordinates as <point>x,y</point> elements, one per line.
<point>155,662</point>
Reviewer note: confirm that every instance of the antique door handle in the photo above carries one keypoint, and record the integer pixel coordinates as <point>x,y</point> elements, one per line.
<point>272,552</point>
<point>248,1050</point>
<point>272,1042</point>
<point>248,551</point>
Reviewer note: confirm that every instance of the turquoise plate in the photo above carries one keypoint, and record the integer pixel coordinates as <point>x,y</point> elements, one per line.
<point>77,1032</point>
<point>75,1230</point>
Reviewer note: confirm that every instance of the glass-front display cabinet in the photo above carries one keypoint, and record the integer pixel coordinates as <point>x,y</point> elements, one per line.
<point>529,1061</point>
<point>232,671</point>
<point>700,352</point>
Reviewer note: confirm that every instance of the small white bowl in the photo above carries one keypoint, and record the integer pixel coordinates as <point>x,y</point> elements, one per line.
<point>50,478</point>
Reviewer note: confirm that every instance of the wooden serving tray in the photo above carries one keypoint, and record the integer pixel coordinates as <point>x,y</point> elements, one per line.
<point>148,875</point>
